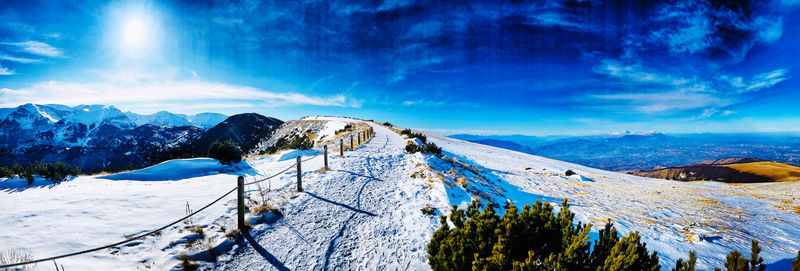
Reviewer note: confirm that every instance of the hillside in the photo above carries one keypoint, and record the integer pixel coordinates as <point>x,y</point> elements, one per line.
<point>728,170</point>
<point>365,214</point>
<point>245,130</point>
<point>775,171</point>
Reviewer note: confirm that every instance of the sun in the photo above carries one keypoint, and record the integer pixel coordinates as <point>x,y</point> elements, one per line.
<point>134,33</point>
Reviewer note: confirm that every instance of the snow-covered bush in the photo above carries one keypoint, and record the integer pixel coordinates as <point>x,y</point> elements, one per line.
<point>226,152</point>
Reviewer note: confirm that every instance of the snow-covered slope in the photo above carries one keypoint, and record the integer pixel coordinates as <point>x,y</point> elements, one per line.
<point>164,118</point>
<point>206,120</point>
<point>364,213</point>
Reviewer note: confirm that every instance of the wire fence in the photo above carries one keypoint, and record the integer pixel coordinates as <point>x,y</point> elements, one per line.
<point>140,236</point>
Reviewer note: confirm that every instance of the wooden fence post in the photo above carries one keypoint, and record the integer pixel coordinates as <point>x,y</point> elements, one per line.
<point>240,202</point>
<point>351,143</point>
<point>341,147</point>
<point>359,138</point>
<point>325,148</point>
<point>299,176</point>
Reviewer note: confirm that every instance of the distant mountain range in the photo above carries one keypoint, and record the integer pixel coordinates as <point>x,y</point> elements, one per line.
<point>651,150</point>
<point>101,136</point>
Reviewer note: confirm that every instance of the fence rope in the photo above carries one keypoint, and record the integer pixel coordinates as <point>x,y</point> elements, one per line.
<point>121,242</point>
<point>274,175</point>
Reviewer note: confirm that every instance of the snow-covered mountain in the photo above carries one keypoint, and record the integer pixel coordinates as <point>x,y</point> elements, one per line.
<point>164,118</point>
<point>33,132</point>
<point>364,213</point>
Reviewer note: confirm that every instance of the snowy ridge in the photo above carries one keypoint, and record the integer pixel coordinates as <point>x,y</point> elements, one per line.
<point>364,213</point>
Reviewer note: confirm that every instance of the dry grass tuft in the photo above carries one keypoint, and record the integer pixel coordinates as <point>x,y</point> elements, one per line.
<point>266,207</point>
<point>234,235</point>
<point>462,181</point>
<point>186,262</point>
<point>198,230</point>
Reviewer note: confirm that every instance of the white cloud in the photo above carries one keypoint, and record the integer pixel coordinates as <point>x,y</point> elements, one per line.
<point>661,102</point>
<point>185,93</point>
<point>645,91</point>
<point>18,59</point>
<point>36,47</point>
<point>5,71</point>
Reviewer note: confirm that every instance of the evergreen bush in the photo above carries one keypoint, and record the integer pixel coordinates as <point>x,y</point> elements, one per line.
<point>534,239</point>
<point>225,152</point>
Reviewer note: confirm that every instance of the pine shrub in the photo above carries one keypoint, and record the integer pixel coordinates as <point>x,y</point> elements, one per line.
<point>539,239</point>
<point>226,152</point>
<point>569,172</point>
<point>534,239</point>
<point>300,143</point>
<point>428,210</point>
<point>682,265</point>
<point>736,262</point>
<point>6,172</point>
<point>433,149</point>
<point>410,134</point>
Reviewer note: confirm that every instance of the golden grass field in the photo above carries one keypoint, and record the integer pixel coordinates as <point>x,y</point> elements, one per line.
<point>777,171</point>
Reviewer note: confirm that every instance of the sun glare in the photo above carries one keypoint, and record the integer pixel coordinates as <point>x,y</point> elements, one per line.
<point>134,33</point>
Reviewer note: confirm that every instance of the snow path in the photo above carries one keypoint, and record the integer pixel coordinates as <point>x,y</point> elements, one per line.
<point>363,214</point>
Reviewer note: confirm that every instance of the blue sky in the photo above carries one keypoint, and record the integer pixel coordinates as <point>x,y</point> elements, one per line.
<point>488,67</point>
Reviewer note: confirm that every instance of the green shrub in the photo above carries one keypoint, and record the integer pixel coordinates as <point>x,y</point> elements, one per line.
<point>569,172</point>
<point>534,239</point>
<point>682,265</point>
<point>56,172</point>
<point>300,143</point>
<point>6,172</point>
<point>412,148</point>
<point>428,210</point>
<point>796,262</point>
<point>387,124</point>
<point>427,148</point>
<point>433,149</point>
<point>226,152</point>
<point>410,134</point>
<point>539,239</point>
<point>736,262</point>
<point>348,127</point>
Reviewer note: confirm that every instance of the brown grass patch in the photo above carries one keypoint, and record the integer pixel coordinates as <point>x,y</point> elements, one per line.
<point>776,171</point>
<point>264,208</point>
<point>198,230</point>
